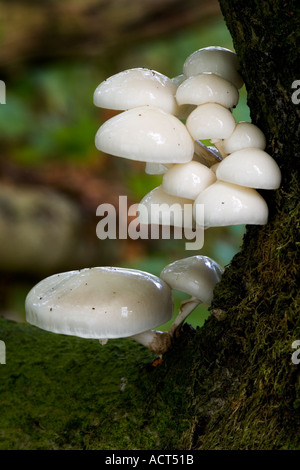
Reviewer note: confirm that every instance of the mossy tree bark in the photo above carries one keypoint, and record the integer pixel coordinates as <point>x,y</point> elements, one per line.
<point>249,396</point>
<point>232,383</point>
<point>259,293</point>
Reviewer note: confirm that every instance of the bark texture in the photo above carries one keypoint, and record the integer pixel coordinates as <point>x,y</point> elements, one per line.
<point>232,383</point>
<point>260,291</point>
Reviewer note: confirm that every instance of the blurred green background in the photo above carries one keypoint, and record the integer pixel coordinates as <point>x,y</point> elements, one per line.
<point>52,178</point>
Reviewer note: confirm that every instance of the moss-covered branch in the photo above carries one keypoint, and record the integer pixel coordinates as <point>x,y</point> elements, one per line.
<point>60,392</point>
<point>229,385</point>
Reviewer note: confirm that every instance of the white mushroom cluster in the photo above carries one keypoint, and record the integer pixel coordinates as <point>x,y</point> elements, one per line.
<point>163,122</point>
<point>111,302</point>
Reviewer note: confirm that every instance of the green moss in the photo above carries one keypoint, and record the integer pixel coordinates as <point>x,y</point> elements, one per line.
<point>230,384</point>
<point>60,392</point>
<point>260,296</point>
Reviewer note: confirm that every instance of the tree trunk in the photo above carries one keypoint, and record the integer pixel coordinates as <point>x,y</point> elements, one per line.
<point>231,384</point>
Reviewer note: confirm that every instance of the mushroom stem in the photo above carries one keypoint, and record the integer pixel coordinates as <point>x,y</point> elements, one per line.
<point>186,307</point>
<point>157,341</point>
<point>205,155</point>
<point>103,341</point>
<point>218,143</point>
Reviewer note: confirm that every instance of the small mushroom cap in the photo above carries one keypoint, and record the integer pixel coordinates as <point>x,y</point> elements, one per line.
<point>210,121</point>
<point>244,135</point>
<point>214,59</point>
<point>196,276</point>
<point>250,167</point>
<point>99,302</point>
<point>146,134</point>
<point>230,204</point>
<point>160,208</point>
<point>137,87</point>
<point>187,179</point>
<point>183,110</point>
<point>207,88</point>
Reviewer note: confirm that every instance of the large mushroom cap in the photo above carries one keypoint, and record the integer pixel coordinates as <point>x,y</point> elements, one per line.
<point>230,204</point>
<point>250,167</point>
<point>99,302</point>
<point>195,275</point>
<point>137,87</point>
<point>214,59</point>
<point>146,134</point>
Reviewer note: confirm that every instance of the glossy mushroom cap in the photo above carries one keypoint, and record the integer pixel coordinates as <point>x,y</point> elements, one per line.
<point>185,109</point>
<point>230,204</point>
<point>146,134</point>
<point>187,179</point>
<point>196,276</point>
<point>99,302</point>
<point>210,121</point>
<point>214,59</point>
<point>207,88</point>
<point>250,167</point>
<point>245,135</point>
<point>137,87</point>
